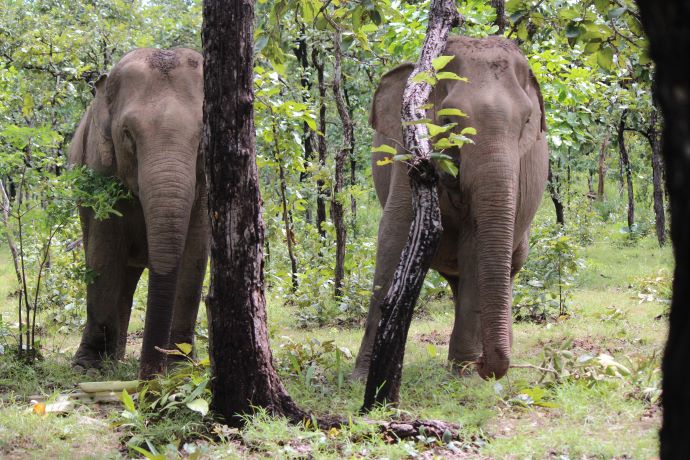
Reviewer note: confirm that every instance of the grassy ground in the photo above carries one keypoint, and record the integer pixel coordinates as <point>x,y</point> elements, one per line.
<point>592,414</point>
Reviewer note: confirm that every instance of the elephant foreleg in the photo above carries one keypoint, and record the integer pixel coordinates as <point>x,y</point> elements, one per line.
<point>466,339</point>
<point>129,285</point>
<point>190,280</point>
<point>106,255</point>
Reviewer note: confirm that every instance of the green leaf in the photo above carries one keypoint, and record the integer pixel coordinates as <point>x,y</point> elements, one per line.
<point>435,130</point>
<point>617,12</point>
<point>441,61</point>
<point>469,131</point>
<point>424,77</point>
<point>199,405</point>
<point>384,162</point>
<point>451,112</point>
<point>185,348</point>
<point>450,76</point>
<point>127,401</point>
<point>385,149</point>
<point>449,167</point>
<point>605,58</point>
<point>147,454</point>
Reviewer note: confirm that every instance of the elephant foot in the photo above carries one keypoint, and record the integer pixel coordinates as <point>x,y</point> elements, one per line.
<point>359,374</point>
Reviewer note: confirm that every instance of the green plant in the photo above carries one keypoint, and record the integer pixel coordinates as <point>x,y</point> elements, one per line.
<point>309,360</point>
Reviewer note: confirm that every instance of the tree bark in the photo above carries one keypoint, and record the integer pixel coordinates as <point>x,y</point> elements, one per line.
<point>243,374</point>
<point>500,15</point>
<point>666,24</point>
<point>385,371</point>
<point>302,54</point>
<point>554,186</point>
<point>337,208</point>
<point>353,162</point>
<point>321,143</point>
<point>657,179</point>
<point>602,167</point>
<point>626,169</point>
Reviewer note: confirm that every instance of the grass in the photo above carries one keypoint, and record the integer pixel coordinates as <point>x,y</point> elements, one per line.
<point>604,419</point>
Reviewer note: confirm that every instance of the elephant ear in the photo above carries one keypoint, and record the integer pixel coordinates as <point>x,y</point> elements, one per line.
<point>77,147</point>
<point>100,131</point>
<point>387,103</point>
<point>537,88</point>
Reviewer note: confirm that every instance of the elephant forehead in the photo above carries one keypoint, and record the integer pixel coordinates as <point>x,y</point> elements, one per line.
<point>164,61</point>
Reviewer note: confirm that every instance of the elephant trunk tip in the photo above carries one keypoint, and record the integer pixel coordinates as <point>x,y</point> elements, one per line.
<point>494,366</point>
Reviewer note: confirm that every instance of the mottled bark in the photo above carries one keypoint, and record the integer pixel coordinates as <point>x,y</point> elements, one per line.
<point>500,15</point>
<point>666,24</point>
<point>321,143</point>
<point>602,167</point>
<point>385,371</point>
<point>301,51</point>
<point>626,169</point>
<point>337,208</point>
<point>243,374</point>
<point>353,162</point>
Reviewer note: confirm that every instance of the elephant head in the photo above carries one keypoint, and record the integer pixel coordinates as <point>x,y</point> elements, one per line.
<point>492,201</point>
<point>144,127</point>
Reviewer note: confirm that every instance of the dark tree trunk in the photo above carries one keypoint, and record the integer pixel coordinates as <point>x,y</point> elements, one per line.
<point>602,167</point>
<point>337,208</point>
<point>385,371</point>
<point>321,143</point>
<point>657,179</point>
<point>500,15</point>
<point>667,26</point>
<point>626,169</point>
<point>302,55</point>
<point>554,187</point>
<point>353,162</point>
<point>243,374</point>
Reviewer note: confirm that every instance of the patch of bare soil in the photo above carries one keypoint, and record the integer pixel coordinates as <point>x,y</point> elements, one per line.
<point>434,337</point>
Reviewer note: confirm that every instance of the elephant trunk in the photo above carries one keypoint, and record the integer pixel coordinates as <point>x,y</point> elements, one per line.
<point>167,192</point>
<point>495,202</point>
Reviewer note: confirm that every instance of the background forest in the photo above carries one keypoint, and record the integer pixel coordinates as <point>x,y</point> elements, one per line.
<point>589,306</point>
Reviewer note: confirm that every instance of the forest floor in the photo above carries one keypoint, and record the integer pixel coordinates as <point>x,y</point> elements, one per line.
<point>593,408</point>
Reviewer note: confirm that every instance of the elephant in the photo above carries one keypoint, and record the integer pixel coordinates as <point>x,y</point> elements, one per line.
<point>486,210</point>
<point>144,127</point>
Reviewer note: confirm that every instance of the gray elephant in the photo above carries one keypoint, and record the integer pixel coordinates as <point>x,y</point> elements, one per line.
<point>144,126</point>
<point>486,210</point>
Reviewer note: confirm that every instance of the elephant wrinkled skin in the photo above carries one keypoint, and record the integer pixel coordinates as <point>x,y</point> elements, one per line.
<point>486,211</point>
<point>144,126</point>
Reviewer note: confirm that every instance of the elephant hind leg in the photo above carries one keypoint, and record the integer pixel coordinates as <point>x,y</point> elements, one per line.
<point>129,285</point>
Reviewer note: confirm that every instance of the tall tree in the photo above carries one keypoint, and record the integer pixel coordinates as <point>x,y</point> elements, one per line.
<point>666,24</point>
<point>626,168</point>
<point>241,362</point>
<point>385,371</point>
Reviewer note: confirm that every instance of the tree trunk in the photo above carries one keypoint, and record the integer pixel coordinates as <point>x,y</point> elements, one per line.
<point>302,54</point>
<point>666,24</point>
<point>337,208</point>
<point>353,163</point>
<point>500,15</point>
<point>554,186</point>
<point>243,374</point>
<point>289,232</point>
<point>385,371</point>
<point>602,167</point>
<point>321,143</point>
<point>657,179</point>
<point>626,169</point>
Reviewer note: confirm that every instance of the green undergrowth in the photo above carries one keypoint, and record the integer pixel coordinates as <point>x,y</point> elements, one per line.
<point>587,383</point>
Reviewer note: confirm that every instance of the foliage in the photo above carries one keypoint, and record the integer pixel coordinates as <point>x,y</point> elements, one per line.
<point>169,409</point>
<point>543,287</point>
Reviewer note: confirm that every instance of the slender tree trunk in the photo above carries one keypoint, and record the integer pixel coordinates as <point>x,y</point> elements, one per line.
<point>626,169</point>
<point>657,179</point>
<point>289,229</point>
<point>337,211</point>
<point>385,371</point>
<point>353,163</point>
<point>243,374</point>
<point>666,24</point>
<point>500,15</point>
<point>321,143</point>
<point>302,54</point>
<point>602,167</point>
<point>554,186</point>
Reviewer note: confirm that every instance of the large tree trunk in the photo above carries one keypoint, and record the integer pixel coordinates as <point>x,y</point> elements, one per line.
<point>500,15</point>
<point>321,143</point>
<point>626,169</point>
<point>602,167</point>
<point>657,179</point>
<point>243,374</point>
<point>385,370</point>
<point>337,208</point>
<point>667,25</point>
